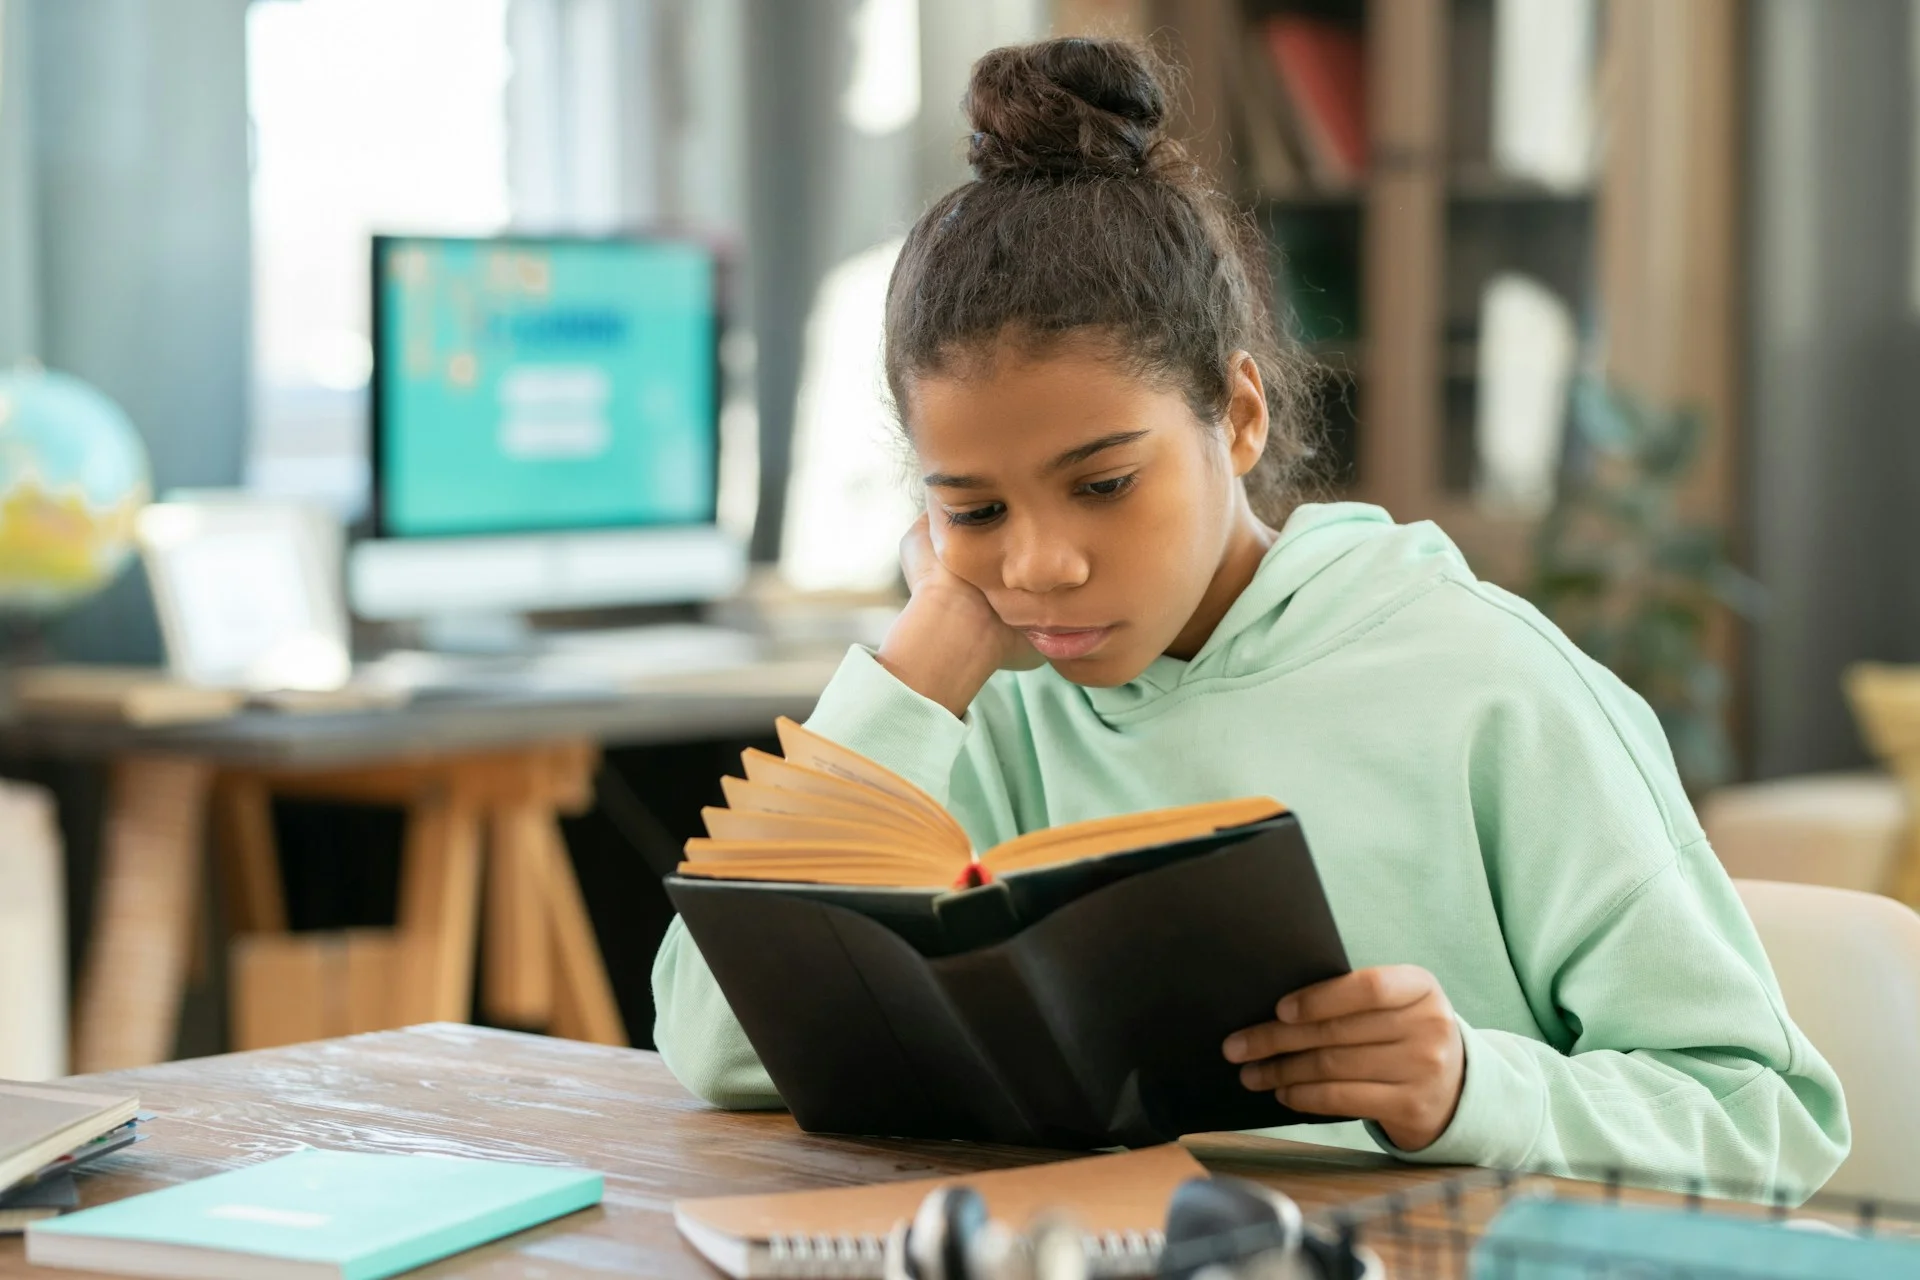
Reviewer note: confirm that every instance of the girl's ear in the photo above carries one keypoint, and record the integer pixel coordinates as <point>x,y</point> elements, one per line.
<point>1246,412</point>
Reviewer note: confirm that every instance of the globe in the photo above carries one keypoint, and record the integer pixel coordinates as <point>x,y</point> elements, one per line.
<point>73,474</point>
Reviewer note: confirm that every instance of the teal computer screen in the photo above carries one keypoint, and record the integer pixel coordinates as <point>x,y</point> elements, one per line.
<point>525,385</point>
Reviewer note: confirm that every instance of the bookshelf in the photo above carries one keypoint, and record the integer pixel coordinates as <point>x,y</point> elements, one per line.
<point>1386,273</point>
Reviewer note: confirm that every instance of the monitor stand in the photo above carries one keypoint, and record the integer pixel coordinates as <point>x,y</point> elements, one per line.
<point>477,634</point>
<point>581,664</point>
<point>464,585</point>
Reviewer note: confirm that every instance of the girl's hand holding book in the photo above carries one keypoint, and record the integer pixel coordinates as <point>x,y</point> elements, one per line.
<point>948,640</point>
<point>1380,1044</point>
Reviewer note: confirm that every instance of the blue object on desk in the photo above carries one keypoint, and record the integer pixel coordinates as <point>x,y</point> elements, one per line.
<point>315,1214</point>
<point>1549,1239</point>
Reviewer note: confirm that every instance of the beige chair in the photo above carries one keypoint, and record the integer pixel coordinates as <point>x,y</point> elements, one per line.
<point>1846,830</point>
<point>1886,703</point>
<point>1849,965</point>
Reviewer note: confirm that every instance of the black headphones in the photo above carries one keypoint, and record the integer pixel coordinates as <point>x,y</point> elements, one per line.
<point>950,1237</point>
<point>1215,1223</point>
<point>1217,1229</point>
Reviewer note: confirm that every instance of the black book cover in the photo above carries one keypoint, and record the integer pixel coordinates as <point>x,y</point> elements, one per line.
<point>1079,1005</point>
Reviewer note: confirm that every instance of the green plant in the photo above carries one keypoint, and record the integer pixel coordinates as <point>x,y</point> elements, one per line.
<point>1635,582</point>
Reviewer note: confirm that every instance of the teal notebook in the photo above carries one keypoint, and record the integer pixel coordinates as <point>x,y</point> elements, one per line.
<point>336,1215</point>
<point>1547,1239</point>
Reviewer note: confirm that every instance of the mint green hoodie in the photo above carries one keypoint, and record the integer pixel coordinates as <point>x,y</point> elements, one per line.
<point>1481,799</point>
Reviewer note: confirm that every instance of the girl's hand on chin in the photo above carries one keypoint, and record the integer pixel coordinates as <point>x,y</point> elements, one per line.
<point>948,640</point>
<point>933,584</point>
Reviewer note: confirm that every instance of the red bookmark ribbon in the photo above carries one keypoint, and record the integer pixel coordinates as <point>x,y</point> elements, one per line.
<point>974,876</point>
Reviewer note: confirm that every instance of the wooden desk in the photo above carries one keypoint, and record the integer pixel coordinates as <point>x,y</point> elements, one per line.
<point>726,703</point>
<point>460,1090</point>
<point>448,752</point>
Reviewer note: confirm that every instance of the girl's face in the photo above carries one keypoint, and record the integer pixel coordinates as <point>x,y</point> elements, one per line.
<point>1089,506</point>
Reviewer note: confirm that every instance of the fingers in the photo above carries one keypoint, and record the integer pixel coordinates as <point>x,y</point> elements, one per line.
<point>916,550</point>
<point>1360,1008</point>
<point>1363,1098</point>
<point>1413,1118</point>
<point>1379,1063</point>
<point>1392,986</point>
<point>1271,1039</point>
<point>1380,1044</point>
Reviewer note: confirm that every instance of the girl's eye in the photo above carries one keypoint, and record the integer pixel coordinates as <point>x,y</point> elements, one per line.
<point>976,515</point>
<point>1111,488</point>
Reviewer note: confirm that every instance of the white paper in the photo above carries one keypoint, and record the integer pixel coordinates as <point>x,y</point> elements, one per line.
<point>1543,91</point>
<point>1526,357</point>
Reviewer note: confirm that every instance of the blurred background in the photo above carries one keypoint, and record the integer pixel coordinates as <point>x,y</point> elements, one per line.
<point>437,435</point>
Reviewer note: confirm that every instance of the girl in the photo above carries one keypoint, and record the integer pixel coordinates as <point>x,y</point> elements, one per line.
<point>1119,602</point>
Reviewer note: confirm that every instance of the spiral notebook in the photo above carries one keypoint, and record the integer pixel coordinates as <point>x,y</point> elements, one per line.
<point>1119,1202</point>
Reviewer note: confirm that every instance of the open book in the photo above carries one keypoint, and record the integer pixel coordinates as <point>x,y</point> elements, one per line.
<point>828,815</point>
<point>1070,988</point>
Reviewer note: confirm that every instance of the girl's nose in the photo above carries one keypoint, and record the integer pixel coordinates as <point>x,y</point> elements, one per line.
<point>1036,562</point>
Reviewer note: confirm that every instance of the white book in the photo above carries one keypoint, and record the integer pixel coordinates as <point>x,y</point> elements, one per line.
<point>39,1123</point>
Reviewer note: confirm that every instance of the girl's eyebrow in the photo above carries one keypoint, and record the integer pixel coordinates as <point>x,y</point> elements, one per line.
<point>1080,453</point>
<point>1072,457</point>
<point>941,480</point>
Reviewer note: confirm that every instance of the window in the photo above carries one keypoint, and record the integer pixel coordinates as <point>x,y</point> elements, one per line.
<point>367,115</point>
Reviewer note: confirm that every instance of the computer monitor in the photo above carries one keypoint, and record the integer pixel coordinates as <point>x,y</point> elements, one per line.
<point>545,428</point>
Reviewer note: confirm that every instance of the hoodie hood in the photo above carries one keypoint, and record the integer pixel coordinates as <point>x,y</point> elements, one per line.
<point>1335,568</point>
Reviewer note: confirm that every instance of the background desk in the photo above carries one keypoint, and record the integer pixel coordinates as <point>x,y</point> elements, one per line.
<point>721,703</point>
<point>496,770</point>
<point>458,1090</point>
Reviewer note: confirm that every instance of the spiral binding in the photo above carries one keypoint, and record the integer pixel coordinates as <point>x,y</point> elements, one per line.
<point>848,1257</point>
<point>1124,1253</point>
<point>824,1257</point>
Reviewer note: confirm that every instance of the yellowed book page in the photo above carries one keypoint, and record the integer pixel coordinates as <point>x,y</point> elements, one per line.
<point>804,747</point>
<point>705,848</point>
<point>793,866</point>
<point>749,796</point>
<point>832,833</point>
<point>1127,831</point>
<point>772,771</point>
<point>1208,814</point>
<point>851,875</point>
<point>902,866</point>
<point>1120,1193</point>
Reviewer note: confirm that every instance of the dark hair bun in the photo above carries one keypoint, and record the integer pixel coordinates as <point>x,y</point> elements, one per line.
<point>1067,107</point>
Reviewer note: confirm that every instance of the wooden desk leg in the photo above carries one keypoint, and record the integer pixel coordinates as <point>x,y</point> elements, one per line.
<point>439,902</point>
<point>516,955</point>
<point>134,973</point>
<point>254,898</point>
<point>583,1003</point>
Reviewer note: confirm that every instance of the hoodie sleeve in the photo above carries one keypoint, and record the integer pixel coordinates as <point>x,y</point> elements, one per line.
<point>864,707</point>
<point>1669,1054</point>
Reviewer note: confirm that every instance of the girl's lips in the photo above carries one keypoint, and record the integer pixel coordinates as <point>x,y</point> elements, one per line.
<point>1057,645</point>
